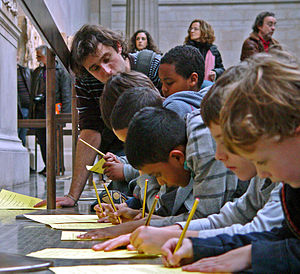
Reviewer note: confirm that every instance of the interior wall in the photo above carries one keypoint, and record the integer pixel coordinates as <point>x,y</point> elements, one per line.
<point>232,21</point>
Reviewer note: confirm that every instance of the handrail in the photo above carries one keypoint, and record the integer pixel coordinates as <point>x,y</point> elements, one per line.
<point>61,119</point>
<point>41,18</point>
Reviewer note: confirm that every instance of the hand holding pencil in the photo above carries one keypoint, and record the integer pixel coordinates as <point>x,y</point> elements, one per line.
<point>175,250</point>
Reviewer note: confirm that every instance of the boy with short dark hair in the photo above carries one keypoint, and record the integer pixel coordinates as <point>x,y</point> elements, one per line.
<point>161,144</point>
<point>179,65</point>
<point>130,102</point>
<point>261,122</point>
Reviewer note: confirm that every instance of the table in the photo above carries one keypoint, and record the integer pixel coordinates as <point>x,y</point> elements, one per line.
<point>22,236</point>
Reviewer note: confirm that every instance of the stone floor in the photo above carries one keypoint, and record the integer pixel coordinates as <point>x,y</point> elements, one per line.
<point>37,187</point>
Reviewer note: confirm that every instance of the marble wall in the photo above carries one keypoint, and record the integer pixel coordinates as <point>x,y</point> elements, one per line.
<point>14,158</point>
<point>232,21</point>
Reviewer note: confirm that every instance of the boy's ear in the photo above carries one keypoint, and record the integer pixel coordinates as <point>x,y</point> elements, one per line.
<point>177,157</point>
<point>194,80</point>
<point>119,48</point>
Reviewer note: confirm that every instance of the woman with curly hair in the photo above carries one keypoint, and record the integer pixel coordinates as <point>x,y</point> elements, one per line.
<point>140,40</point>
<point>201,35</point>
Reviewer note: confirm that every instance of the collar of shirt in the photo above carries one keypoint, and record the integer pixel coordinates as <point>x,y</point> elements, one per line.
<point>265,43</point>
<point>187,168</point>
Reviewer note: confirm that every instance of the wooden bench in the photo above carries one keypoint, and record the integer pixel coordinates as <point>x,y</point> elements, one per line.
<point>61,120</point>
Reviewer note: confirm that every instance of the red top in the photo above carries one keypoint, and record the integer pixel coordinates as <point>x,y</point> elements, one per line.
<point>265,43</point>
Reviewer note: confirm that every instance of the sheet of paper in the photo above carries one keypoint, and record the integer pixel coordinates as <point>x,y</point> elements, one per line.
<point>74,226</point>
<point>117,269</point>
<point>72,236</point>
<point>97,167</point>
<point>63,219</point>
<point>69,253</point>
<point>13,200</point>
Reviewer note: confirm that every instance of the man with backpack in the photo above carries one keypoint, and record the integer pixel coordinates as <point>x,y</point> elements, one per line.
<point>97,53</point>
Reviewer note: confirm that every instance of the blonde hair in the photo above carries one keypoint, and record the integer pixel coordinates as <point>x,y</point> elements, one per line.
<point>206,30</point>
<point>264,103</point>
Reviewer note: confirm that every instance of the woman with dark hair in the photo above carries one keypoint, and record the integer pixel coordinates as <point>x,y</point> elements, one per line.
<point>201,35</point>
<point>140,40</point>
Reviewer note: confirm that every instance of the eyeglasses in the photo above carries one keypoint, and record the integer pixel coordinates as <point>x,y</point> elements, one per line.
<point>195,29</point>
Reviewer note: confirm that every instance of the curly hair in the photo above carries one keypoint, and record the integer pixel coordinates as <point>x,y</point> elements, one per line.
<point>150,43</point>
<point>206,30</point>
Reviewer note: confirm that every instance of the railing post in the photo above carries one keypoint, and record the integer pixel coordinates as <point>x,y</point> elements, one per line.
<point>74,127</point>
<point>50,126</point>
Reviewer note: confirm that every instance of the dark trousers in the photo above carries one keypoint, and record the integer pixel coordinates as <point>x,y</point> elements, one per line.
<point>41,136</point>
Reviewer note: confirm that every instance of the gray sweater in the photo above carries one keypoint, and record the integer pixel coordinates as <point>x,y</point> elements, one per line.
<point>259,209</point>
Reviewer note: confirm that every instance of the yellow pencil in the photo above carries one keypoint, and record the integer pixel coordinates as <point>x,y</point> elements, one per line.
<point>97,195</point>
<point>98,151</point>
<point>187,225</point>
<point>151,210</point>
<point>144,201</point>
<point>111,201</point>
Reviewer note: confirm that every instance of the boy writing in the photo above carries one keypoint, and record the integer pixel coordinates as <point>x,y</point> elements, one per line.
<point>258,209</point>
<point>184,154</point>
<point>261,122</point>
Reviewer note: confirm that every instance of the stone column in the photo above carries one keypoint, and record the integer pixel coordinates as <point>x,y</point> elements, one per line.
<point>14,158</point>
<point>142,14</point>
<point>105,13</point>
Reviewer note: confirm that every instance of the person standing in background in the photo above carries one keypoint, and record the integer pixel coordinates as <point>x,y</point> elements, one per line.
<point>201,35</point>
<point>140,40</point>
<point>261,38</point>
<point>24,83</point>
<point>38,98</point>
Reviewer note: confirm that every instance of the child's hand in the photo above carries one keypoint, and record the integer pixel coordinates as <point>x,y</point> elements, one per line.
<point>233,261</point>
<point>114,171</point>
<point>183,255</point>
<point>126,214</point>
<point>102,215</point>
<point>147,239</point>
<point>112,244</point>
<point>212,76</point>
<point>110,157</point>
<point>107,211</point>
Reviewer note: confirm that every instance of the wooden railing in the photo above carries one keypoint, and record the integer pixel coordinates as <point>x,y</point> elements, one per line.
<point>38,13</point>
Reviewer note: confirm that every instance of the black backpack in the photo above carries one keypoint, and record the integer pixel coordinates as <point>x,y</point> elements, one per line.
<point>144,60</point>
